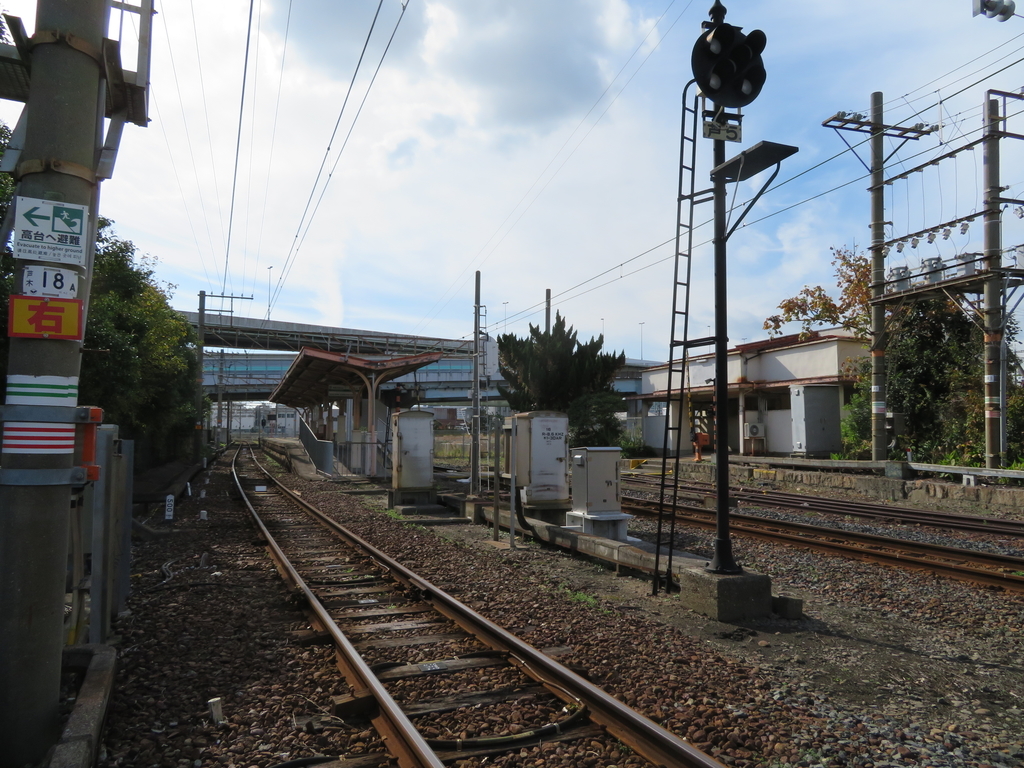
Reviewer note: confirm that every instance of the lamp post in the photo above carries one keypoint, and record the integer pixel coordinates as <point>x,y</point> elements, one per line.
<point>641,341</point>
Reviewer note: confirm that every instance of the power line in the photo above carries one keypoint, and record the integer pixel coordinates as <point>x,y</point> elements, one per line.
<point>456,285</point>
<point>289,260</point>
<point>238,145</point>
<point>273,139</point>
<point>341,151</point>
<point>538,307</point>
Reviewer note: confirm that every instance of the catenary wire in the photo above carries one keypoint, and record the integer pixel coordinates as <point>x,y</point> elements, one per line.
<point>290,258</point>
<point>538,307</point>
<point>206,115</point>
<point>459,282</point>
<point>238,146</point>
<point>273,139</point>
<point>341,150</point>
<point>188,139</point>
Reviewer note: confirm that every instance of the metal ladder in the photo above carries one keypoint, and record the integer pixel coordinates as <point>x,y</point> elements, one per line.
<point>676,438</point>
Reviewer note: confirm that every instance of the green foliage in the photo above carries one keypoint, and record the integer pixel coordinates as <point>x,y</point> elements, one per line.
<point>813,306</point>
<point>555,372</point>
<point>935,378</point>
<point>140,362</point>
<point>633,447</point>
<point>856,426</point>
<point>934,370</point>
<point>593,419</point>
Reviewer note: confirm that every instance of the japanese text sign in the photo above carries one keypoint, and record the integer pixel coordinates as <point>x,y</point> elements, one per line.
<point>43,318</point>
<point>46,230</point>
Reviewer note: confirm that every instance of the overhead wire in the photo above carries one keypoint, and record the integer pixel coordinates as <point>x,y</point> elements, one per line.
<point>206,115</point>
<point>181,189</point>
<point>456,285</point>
<point>188,141</point>
<point>252,148</point>
<point>290,258</point>
<point>563,295</point>
<point>238,146</point>
<point>273,141</point>
<point>341,150</point>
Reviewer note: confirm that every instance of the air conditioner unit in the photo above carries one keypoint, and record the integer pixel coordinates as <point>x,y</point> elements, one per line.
<point>753,429</point>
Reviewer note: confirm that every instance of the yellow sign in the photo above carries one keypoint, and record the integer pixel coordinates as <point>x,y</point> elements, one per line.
<point>44,318</point>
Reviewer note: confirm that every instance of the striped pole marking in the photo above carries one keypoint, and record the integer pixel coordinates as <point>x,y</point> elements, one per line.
<point>40,437</point>
<point>42,390</point>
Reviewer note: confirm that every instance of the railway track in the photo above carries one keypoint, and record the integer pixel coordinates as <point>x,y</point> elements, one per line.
<point>967,565</point>
<point>860,509</point>
<point>482,692</point>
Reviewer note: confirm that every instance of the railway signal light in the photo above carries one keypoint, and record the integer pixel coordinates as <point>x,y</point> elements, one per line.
<point>727,64</point>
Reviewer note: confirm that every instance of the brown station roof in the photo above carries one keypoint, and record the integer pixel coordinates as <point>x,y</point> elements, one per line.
<point>314,370</point>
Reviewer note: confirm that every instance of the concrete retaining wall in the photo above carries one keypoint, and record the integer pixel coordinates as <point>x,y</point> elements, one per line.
<point>930,492</point>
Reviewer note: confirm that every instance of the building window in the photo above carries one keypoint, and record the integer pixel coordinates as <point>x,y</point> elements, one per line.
<point>777,401</point>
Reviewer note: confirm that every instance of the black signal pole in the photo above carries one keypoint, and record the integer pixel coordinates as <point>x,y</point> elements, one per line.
<point>723,561</point>
<point>727,67</point>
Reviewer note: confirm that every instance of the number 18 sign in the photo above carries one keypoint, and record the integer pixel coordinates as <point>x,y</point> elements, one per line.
<point>49,281</point>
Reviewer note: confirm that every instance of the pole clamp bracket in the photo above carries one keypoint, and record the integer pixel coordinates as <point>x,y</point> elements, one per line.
<point>68,168</point>
<point>80,44</point>
<point>67,476</point>
<point>52,414</point>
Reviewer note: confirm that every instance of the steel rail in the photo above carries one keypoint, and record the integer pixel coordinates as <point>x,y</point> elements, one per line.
<point>870,509</point>
<point>400,736</point>
<point>864,509</point>
<point>958,564</point>
<point>641,734</point>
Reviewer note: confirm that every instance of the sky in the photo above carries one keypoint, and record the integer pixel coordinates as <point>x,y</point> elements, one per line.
<point>538,142</point>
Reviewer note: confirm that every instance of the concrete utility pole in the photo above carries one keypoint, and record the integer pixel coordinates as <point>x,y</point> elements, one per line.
<point>474,459</point>
<point>879,447</point>
<point>197,438</point>
<point>876,127</point>
<point>64,110</point>
<point>994,381</point>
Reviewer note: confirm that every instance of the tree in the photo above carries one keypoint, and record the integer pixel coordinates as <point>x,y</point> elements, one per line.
<point>934,368</point>
<point>814,306</point>
<point>553,371</point>
<point>140,361</point>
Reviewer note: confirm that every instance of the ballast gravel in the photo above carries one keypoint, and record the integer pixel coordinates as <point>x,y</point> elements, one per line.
<point>887,668</point>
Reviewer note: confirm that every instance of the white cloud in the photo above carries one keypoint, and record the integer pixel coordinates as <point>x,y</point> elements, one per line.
<point>464,156</point>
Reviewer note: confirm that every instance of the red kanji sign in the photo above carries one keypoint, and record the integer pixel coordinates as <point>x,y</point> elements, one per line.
<point>45,318</point>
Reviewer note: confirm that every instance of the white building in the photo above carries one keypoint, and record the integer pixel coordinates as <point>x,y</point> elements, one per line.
<point>787,396</point>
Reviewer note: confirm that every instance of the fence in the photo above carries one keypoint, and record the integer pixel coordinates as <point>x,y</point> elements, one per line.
<point>320,452</point>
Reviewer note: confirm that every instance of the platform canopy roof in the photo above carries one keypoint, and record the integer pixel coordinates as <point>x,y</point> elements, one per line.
<point>317,376</point>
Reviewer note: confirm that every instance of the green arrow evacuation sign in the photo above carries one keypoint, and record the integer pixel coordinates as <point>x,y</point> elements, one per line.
<point>33,217</point>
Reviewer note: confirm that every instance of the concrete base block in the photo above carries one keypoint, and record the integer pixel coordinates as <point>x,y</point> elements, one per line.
<point>416,497</point>
<point>788,607</point>
<point>747,595</point>
<point>432,510</point>
<point>551,515</point>
<point>608,526</point>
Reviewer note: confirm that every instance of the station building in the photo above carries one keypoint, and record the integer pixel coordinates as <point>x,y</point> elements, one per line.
<point>787,396</point>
